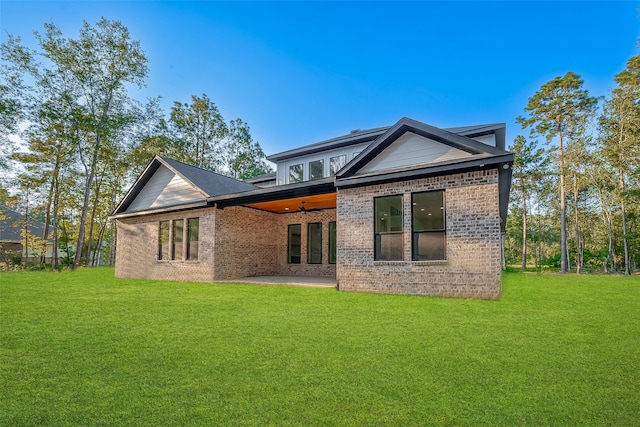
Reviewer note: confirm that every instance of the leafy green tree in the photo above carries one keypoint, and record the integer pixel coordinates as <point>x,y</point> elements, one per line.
<point>620,124</point>
<point>528,168</point>
<point>244,156</point>
<point>554,111</point>
<point>98,64</point>
<point>200,129</point>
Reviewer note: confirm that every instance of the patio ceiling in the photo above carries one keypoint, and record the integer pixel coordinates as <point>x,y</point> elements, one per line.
<point>311,203</point>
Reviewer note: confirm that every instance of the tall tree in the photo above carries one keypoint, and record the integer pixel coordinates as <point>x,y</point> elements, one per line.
<point>201,128</point>
<point>98,64</point>
<point>553,112</point>
<point>527,170</point>
<point>244,157</point>
<point>12,87</point>
<point>621,131</point>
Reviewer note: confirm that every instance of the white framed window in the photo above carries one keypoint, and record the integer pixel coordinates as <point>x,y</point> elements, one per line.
<point>296,173</point>
<point>316,169</point>
<point>336,163</point>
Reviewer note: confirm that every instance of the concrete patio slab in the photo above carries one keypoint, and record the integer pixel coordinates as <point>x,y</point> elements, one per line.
<point>317,282</point>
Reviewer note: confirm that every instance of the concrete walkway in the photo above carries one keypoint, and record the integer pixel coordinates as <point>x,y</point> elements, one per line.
<point>316,282</point>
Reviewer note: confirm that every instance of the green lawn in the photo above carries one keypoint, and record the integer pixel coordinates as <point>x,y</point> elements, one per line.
<point>84,348</point>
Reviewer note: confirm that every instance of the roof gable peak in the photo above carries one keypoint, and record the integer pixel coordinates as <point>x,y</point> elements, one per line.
<point>407,124</point>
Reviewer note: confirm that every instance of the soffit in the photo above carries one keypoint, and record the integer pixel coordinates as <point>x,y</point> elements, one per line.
<point>311,203</point>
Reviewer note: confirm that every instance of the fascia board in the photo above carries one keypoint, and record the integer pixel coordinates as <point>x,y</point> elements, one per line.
<point>165,209</point>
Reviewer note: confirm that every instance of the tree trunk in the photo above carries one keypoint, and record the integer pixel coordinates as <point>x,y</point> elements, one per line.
<point>55,262</point>
<point>112,232</point>
<point>524,232</point>
<point>45,234</point>
<point>578,241</point>
<point>85,203</point>
<point>96,200</point>
<point>627,266</point>
<point>563,214</point>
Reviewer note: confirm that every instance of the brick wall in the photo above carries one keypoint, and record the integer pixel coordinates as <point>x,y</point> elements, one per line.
<point>234,242</point>
<point>303,269</point>
<point>472,265</point>
<point>246,243</point>
<point>137,248</point>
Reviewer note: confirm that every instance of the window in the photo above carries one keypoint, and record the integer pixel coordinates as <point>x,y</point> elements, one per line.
<point>296,173</point>
<point>163,241</point>
<point>177,243</point>
<point>314,243</point>
<point>388,228</point>
<point>336,163</point>
<point>332,242</point>
<point>316,169</point>
<point>293,244</point>
<point>178,238</point>
<point>428,226</point>
<point>193,230</point>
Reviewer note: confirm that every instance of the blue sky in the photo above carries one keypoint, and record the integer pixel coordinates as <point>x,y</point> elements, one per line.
<point>301,72</point>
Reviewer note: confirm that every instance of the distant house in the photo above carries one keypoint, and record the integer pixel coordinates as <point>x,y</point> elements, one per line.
<point>12,238</point>
<point>409,208</point>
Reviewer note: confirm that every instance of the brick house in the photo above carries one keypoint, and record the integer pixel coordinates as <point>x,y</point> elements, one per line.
<point>409,209</point>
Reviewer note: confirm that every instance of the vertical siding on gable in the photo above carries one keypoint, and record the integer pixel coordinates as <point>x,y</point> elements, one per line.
<point>165,188</point>
<point>411,149</point>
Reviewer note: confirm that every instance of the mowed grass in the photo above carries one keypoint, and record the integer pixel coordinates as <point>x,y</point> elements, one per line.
<point>85,348</point>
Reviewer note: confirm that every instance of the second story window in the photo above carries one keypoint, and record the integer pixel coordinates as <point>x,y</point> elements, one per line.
<point>316,169</point>
<point>296,173</point>
<point>336,163</point>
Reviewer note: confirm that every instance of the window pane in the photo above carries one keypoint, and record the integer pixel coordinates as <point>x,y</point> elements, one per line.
<point>428,241</point>
<point>389,247</point>
<point>296,173</point>
<point>293,244</point>
<point>178,227</point>
<point>314,243</point>
<point>163,241</point>
<point>388,213</point>
<point>193,231</point>
<point>332,242</point>
<point>429,246</point>
<point>316,169</point>
<point>337,163</point>
<point>388,228</point>
<point>428,211</point>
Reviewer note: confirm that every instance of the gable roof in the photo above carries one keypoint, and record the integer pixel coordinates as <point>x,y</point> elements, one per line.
<point>369,135</point>
<point>406,124</point>
<point>207,183</point>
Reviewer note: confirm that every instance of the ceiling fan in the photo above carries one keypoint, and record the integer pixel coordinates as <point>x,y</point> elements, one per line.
<point>305,210</point>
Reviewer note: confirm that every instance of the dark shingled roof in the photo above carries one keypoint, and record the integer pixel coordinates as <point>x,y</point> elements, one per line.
<point>12,225</point>
<point>211,183</point>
